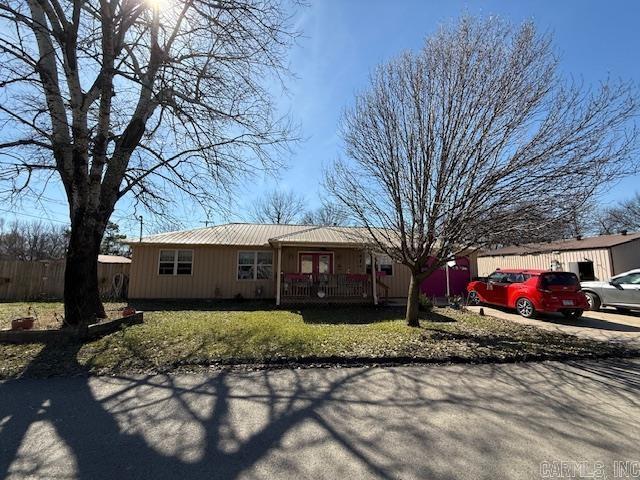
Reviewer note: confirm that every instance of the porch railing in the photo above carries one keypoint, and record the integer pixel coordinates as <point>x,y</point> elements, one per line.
<point>325,286</point>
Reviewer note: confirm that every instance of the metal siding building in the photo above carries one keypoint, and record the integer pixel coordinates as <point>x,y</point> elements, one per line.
<point>607,255</point>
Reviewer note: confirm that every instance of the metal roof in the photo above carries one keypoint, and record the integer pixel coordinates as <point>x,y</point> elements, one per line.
<point>587,243</point>
<point>264,235</point>
<point>325,235</point>
<point>113,259</point>
<point>245,234</point>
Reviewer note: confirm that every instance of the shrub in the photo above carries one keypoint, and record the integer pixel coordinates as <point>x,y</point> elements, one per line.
<point>426,305</point>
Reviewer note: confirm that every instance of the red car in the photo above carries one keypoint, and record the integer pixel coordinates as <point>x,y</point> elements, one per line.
<point>530,292</point>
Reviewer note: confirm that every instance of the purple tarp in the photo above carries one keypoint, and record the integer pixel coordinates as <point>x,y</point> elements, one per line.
<point>459,277</point>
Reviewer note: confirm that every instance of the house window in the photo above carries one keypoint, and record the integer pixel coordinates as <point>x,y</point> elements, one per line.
<point>384,264</point>
<point>255,265</point>
<point>175,262</point>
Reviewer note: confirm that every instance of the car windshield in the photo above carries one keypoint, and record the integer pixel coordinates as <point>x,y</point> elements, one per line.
<point>630,278</point>
<point>559,279</point>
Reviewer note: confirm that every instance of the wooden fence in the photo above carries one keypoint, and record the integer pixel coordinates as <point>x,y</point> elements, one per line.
<point>45,280</point>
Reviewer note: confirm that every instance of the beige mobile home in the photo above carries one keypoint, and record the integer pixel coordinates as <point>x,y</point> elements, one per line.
<point>315,264</point>
<point>591,258</point>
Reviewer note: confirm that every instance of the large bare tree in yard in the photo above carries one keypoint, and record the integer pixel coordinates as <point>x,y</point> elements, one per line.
<point>152,99</point>
<point>279,207</point>
<point>476,140</point>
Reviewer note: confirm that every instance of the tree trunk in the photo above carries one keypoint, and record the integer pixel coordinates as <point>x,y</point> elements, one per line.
<point>82,304</point>
<point>413,303</point>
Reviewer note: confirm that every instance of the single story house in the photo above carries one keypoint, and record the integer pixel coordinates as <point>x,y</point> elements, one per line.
<point>591,258</point>
<point>287,263</point>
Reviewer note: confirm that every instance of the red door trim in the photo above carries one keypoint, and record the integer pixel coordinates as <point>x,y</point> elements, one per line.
<point>315,256</point>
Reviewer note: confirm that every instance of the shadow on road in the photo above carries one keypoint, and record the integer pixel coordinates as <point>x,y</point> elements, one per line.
<point>307,423</point>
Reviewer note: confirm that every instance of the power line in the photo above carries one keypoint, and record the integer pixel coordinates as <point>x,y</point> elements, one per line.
<point>33,216</point>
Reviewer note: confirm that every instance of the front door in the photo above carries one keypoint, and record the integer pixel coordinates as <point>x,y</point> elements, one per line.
<point>316,263</point>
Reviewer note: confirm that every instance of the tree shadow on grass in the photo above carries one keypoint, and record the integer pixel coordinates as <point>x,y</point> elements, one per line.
<point>318,423</point>
<point>349,314</point>
<point>203,305</point>
<point>366,314</point>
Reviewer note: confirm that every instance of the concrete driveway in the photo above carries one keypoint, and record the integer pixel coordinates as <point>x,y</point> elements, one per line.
<point>606,325</point>
<point>462,421</point>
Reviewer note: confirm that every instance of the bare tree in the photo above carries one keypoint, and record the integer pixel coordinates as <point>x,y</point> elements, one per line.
<point>575,222</point>
<point>625,216</point>
<point>449,146</point>
<point>32,241</point>
<point>330,213</point>
<point>143,98</point>
<point>278,206</point>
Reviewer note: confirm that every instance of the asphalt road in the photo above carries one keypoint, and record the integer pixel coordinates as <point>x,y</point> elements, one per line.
<point>459,421</point>
<point>604,325</point>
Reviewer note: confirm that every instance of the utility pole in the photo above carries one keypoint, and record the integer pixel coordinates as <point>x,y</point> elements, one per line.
<point>140,218</point>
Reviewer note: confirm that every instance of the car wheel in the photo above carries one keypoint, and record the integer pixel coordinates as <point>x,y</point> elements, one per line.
<point>525,307</point>
<point>594,301</point>
<point>572,313</point>
<point>473,298</point>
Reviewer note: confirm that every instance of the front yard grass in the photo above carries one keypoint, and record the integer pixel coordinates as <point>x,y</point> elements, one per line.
<point>174,339</point>
<point>48,314</point>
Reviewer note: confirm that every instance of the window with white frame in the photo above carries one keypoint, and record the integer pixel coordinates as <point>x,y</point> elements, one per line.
<point>384,264</point>
<point>175,262</point>
<point>255,265</point>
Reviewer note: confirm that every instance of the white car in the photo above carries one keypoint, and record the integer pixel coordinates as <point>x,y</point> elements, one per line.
<point>621,292</point>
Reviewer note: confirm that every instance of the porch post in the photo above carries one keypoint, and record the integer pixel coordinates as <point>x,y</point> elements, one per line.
<point>279,275</point>
<point>374,287</point>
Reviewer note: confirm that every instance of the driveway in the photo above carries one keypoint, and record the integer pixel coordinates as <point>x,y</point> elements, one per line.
<point>606,325</point>
<point>460,421</point>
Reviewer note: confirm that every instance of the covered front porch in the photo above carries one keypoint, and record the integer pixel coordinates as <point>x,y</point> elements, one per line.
<point>325,274</point>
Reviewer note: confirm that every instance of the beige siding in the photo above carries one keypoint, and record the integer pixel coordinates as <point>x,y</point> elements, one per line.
<point>214,275</point>
<point>215,272</point>
<point>600,257</point>
<point>626,256</point>
<point>398,283</point>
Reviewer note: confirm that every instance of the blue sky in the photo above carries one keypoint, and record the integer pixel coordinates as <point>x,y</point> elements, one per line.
<point>343,40</point>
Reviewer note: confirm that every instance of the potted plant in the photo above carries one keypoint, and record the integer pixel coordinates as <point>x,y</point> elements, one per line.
<point>23,323</point>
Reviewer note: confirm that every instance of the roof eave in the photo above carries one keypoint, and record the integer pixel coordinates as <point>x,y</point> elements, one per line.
<point>279,243</point>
